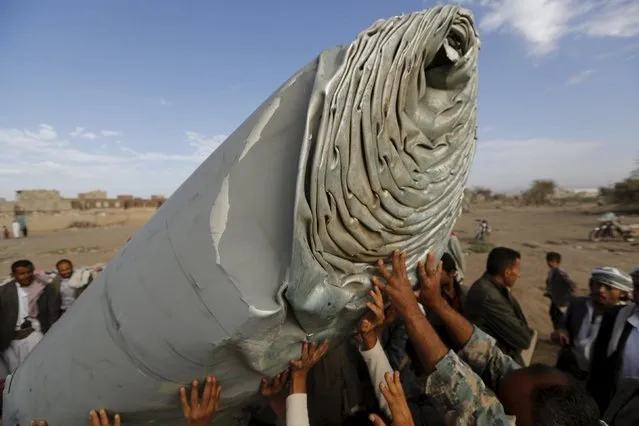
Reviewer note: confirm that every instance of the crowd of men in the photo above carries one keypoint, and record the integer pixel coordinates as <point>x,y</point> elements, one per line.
<point>446,353</point>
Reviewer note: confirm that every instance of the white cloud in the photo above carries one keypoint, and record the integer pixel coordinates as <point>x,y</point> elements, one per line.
<point>164,102</point>
<point>47,132</point>
<point>110,133</point>
<point>42,159</point>
<point>543,23</point>
<point>203,145</point>
<point>89,135</point>
<point>616,18</point>
<point>506,165</point>
<point>579,77</point>
<point>80,133</point>
<point>77,132</point>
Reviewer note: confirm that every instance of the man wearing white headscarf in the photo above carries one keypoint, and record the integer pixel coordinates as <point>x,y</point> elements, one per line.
<point>578,330</point>
<point>615,353</point>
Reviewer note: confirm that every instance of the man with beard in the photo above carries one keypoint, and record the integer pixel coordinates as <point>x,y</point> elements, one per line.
<point>615,354</point>
<point>28,308</point>
<point>71,282</point>
<point>609,287</point>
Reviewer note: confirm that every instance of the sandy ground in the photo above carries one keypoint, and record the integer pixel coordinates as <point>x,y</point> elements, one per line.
<point>532,231</point>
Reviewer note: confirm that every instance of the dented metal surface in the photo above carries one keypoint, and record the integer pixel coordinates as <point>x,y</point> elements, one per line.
<point>270,241</point>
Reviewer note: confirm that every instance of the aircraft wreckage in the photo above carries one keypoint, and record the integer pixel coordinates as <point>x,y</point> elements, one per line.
<point>272,239</point>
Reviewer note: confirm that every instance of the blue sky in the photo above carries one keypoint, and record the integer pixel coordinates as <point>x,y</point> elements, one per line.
<point>131,96</point>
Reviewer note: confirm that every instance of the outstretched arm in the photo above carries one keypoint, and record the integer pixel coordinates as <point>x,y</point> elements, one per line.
<point>428,345</point>
<point>296,403</point>
<point>451,382</point>
<point>475,347</point>
<point>370,329</point>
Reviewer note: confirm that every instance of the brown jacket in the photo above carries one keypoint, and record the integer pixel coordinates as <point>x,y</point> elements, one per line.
<point>48,311</point>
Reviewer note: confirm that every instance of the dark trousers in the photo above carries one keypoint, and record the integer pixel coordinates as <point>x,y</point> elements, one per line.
<point>556,316</point>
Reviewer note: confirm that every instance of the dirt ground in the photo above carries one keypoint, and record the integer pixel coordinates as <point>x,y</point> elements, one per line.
<point>532,231</point>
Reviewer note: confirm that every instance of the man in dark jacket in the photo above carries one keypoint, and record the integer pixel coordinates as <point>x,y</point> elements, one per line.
<point>491,306</point>
<point>28,308</point>
<point>615,353</point>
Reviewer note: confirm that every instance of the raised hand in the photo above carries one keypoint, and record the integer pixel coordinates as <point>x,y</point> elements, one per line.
<point>102,419</point>
<point>372,324</point>
<point>394,395</point>
<point>201,412</point>
<point>398,287</point>
<point>311,354</point>
<point>430,295</point>
<point>272,387</point>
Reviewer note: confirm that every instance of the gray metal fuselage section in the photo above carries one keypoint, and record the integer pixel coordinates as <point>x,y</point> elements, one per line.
<point>188,293</point>
<point>271,241</point>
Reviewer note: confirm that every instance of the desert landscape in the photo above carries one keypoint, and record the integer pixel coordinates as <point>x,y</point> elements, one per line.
<point>90,238</point>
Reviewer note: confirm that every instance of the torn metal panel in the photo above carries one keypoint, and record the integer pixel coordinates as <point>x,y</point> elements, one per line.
<point>271,240</point>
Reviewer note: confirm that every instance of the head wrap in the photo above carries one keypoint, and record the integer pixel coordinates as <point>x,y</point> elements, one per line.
<point>613,277</point>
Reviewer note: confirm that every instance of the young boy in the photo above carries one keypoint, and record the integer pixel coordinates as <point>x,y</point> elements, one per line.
<point>559,288</point>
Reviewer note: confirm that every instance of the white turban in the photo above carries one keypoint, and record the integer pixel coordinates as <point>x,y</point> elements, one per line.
<point>613,277</point>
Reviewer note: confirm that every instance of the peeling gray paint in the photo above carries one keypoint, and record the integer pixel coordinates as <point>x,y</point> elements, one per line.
<point>219,217</point>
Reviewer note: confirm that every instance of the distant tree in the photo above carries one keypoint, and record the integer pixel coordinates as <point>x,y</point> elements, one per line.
<point>624,192</point>
<point>540,192</point>
<point>627,191</point>
<point>499,196</point>
<point>605,191</point>
<point>635,173</point>
<point>486,193</point>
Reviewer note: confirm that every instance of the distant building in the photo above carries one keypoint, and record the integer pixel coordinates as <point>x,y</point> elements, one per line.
<point>99,200</point>
<point>50,201</point>
<point>576,193</point>
<point>92,195</point>
<point>40,200</point>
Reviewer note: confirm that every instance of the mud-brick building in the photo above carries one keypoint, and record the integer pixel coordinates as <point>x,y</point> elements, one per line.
<point>40,201</point>
<point>50,201</point>
<point>99,200</point>
<point>6,207</point>
<point>129,201</point>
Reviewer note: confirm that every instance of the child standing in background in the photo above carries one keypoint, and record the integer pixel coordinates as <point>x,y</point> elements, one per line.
<point>560,288</point>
